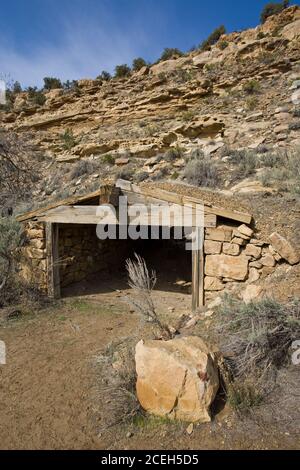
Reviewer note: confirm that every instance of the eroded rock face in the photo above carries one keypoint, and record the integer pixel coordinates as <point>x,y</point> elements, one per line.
<point>177,379</point>
<point>284,248</point>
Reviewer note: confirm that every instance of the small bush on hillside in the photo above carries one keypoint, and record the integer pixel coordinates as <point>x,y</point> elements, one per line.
<point>251,103</point>
<point>51,83</point>
<point>260,35</point>
<point>127,172</point>
<point>201,171</point>
<point>258,335</point>
<point>108,159</point>
<point>36,96</point>
<point>122,71</point>
<point>170,53</point>
<point>83,167</point>
<point>71,85</point>
<point>296,113</point>
<point>141,176</point>
<point>10,237</point>
<point>173,153</point>
<point>68,139</point>
<point>223,45</point>
<point>213,38</point>
<point>273,9</point>
<point>255,340</point>
<point>138,63</point>
<point>282,169</point>
<point>12,290</point>
<point>105,76</point>
<point>251,87</point>
<point>189,115</point>
<point>245,160</point>
<point>16,88</point>
<point>183,75</point>
<point>295,126</point>
<point>118,388</point>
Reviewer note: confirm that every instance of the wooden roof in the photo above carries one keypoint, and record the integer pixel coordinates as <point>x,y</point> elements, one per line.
<point>138,194</point>
<point>70,201</point>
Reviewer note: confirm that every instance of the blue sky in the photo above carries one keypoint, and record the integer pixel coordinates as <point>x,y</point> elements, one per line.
<point>74,39</point>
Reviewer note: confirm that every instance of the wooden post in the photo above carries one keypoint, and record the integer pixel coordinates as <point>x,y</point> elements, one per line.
<point>53,278</point>
<point>198,272</point>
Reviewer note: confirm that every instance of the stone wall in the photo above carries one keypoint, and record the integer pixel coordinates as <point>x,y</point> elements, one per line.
<point>233,255</point>
<point>81,253</point>
<point>33,263</point>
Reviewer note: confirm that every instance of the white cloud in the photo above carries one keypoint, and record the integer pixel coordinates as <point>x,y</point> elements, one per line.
<point>84,50</point>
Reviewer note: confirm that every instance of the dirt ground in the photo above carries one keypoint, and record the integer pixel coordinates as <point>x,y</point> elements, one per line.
<point>47,387</point>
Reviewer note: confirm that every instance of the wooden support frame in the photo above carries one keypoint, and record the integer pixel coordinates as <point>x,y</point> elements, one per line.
<point>198,272</point>
<point>53,278</point>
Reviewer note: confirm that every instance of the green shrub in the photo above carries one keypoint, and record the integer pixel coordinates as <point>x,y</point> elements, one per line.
<point>105,76</point>
<point>295,126</point>
<point>255,340</point>
<point>242,396</point>
<point>170,53</point>
<point>188,115</point>
<point>213,38</point>
<point>71,85</point>
<point>282,169</point>
<point>223,45</point>
<point>175,175</point>
<point>201,171</point>
<point>81,168</point>
<point>68,139</point>
<point>173,153</point>
<point>245,160</point>
<point>260,35</point>
<point>16,88</point>
<point>122,71</point>
<point>10,238</point>
<point>251,103</point>
<point>296,113</point>
<point>251,87</point>
<point>51,83</point>
<point>273,9</point>
<point>36,96</point>
<point>108,159</point>
<point>138,63</point>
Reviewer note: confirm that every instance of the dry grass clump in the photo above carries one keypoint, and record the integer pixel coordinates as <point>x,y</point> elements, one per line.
<point>255,340</point>
<point>116,388</point>
<point>201,171</point>
<point>142,283</point>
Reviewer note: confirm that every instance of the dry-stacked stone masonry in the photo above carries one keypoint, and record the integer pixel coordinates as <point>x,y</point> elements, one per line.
<point>233,255</point>
<point>60,251</point>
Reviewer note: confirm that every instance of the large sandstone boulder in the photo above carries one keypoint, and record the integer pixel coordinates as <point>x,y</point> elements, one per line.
<point>284,248</point>
<point>178,379</point>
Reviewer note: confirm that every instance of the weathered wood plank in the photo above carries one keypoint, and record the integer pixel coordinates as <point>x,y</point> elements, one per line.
<point>198,272</point>
<point>227,213</point>
<point>53,278</point>
<point>65,202</point>
<point>170,216</point>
